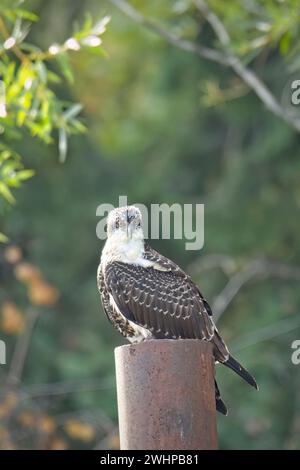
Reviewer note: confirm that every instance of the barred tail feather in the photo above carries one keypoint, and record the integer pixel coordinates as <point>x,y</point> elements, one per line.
<point>241,371</point>
<point>220,405</point>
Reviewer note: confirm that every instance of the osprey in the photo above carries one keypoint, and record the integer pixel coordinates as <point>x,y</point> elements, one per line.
<point>147,296</point>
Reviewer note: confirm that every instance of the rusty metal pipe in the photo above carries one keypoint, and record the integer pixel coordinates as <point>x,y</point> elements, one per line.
<point>166,395</point>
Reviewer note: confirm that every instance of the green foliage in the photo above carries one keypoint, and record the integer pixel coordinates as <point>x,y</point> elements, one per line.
<point>12,172</point>
<point>29,98</point>
<point>254,26</point>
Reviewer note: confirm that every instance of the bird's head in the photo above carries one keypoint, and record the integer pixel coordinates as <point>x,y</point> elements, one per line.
<point>125,223</point>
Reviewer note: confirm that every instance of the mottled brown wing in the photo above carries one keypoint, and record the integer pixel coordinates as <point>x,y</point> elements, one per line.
<point>119,322</point>
<point>166,263</point>
<point>104,296</point>
<point>162,301</point>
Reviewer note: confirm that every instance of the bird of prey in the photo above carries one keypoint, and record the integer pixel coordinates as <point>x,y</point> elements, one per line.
<point>147,296</point>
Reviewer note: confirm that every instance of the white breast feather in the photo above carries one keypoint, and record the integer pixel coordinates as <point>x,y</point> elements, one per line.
<point>127,251</point>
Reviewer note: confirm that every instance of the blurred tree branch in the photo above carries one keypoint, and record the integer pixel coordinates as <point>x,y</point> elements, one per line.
<point>224,57</point>
<point>5,33</point>
<point>189,46</point>
<point>225,262</point>
<point>258,268</point>
<point>21,350</point>
<point>246,74</point>
<point>61,388</point>
<point>267,332</point>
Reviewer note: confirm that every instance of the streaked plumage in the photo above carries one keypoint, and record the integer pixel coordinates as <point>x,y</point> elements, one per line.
<point>145,295</point>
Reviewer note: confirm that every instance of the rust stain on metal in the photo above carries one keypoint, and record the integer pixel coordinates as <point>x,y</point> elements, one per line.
<point>166,397</point>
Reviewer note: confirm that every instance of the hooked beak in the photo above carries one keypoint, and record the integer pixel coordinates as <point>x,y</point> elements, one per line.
<point>129,226</point>
<point>129,218</point>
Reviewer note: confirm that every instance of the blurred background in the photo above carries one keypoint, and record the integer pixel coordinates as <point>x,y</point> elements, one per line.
<point>165,118</point>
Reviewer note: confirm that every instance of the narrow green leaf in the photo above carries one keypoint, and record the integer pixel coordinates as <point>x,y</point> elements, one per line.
<point>65,68</point>
<point>62,145</point>
<point>3,238</point>
<point>6,193</point>
<point>78,126</point>
<point>25,174</point>
<point>72,111</point>
<point>26,15</point>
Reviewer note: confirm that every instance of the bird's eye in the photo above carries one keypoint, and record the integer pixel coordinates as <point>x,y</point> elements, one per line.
<point>117,223</point>
<point>139,224</point>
